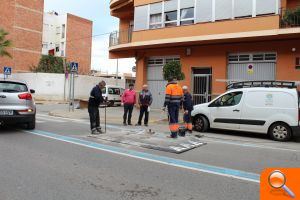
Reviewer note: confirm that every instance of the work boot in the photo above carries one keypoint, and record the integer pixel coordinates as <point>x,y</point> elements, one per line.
<point>173,135</point>
<point>124,124</point>
<point>138,124</point>
<point>129,123</point>
<point>99,130</point>
<point>94,131</point>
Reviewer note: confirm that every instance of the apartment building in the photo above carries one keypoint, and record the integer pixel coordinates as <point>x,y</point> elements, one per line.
<point>68,36</point>
<point>216,41</point>
<point>23,20</point>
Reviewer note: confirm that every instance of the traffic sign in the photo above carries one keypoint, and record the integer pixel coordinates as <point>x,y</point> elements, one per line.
<point>74,67</point>
<point>7,70</point>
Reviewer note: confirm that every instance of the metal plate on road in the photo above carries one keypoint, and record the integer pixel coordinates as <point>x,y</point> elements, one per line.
<point>156,141</point>
<point>6,112</point>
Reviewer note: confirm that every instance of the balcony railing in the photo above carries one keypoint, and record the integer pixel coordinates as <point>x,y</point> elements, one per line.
<point>290,18</point>
<point>120,37</point>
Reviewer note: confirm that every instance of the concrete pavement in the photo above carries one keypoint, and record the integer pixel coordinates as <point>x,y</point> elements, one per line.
<point>58,161</point>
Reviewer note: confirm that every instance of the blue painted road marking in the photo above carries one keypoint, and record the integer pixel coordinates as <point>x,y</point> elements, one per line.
<point>237,174</point>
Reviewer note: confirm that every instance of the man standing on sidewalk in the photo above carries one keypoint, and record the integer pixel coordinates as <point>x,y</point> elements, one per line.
<point>95,100</point>
<point>128,100</point>
<point>188,107</point>
<point>172,102</point>
<point>145,101</point>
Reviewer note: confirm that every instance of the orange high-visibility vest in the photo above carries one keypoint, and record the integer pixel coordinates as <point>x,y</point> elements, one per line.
<point>174,94</point>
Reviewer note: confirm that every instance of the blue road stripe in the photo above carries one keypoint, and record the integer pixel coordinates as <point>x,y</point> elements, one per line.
<point>237,174</point>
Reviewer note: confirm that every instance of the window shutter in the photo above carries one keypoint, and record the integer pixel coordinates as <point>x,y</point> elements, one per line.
<point>223,9</point>
<point>155,8</point>
<point>243,8</point>
<point>141,18</point>
<point>203,11</point>
<point>187,4</point>
<point>265,7</point>
<point>171,5</point>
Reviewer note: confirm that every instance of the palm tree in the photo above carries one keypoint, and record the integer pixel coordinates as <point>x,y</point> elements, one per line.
<point>4,44</point>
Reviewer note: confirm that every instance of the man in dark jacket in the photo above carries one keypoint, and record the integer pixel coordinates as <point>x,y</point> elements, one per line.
<point>187,105</point>
<point>95,100</point>
<point>145,101</point>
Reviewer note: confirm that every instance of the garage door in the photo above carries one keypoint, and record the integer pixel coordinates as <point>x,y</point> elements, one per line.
<point>156,82</point>
<point>252,67</point>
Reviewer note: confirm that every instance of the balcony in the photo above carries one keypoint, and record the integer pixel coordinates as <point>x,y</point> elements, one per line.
<point>290,18</point>
<point>120,37</point>
<point>121,8</point>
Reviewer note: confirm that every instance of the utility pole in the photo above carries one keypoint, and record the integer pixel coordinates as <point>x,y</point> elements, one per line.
<point>117,73</point>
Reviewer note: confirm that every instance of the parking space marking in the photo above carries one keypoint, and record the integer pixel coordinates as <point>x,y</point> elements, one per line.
<point>250,145</point>
<point>200,167</point>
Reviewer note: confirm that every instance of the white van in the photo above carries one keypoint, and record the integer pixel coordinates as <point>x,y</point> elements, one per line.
<point>267,108</point>
<point>113,94</point>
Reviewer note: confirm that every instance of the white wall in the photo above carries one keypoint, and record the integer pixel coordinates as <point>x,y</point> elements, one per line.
<point>55,87</point>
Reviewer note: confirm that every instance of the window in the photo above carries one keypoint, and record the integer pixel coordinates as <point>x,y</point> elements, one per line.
<point>63,31</point>
<point>155,21</point>
<point>58,30</point>
<point>171,19</point>
<point>12,87</point>
<point>187,16</point>
<point>57,48</point>
<point>114,91</point>
<point>45,45</point>
<point>230,99</point>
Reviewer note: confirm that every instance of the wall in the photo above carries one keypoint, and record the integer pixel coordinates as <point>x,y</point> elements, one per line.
<point>215,56</point>
<point>55,87</point>
<point>23,19</point>
<point>219,27</point>
<point>79,42</point>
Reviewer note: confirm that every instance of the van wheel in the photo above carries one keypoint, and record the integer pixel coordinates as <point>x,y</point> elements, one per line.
<point>280,132</point>
<point>201,124</point>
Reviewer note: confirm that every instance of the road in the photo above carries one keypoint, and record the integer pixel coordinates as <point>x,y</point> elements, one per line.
<point>56,162</point>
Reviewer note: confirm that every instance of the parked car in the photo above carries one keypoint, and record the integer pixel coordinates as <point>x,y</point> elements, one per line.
<point>16,104</point>
<point>113,94</point>
<point>268,109</point>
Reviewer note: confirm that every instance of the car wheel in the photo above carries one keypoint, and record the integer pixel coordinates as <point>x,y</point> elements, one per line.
<point>201,124</point>
<point>280,132</point>
<point>31,125</point>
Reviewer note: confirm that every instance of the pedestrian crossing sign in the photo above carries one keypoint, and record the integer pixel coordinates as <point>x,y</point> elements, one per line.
<point>74,67</point>
<point>7,70</point>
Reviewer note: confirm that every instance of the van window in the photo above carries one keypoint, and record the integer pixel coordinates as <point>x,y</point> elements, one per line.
<point>230,99</point>
<point>114,91</point>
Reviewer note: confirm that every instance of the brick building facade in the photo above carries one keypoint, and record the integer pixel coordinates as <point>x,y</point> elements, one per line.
<point>23,19</point>
<point>79,42</point>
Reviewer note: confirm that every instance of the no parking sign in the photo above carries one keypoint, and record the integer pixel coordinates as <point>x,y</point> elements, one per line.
<point>250,69</point>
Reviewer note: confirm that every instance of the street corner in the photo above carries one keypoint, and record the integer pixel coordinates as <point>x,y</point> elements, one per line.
<point>149,139</point>
<point>280,184</point>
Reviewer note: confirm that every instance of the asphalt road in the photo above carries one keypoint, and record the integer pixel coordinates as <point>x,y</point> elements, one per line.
<point>57,162</point>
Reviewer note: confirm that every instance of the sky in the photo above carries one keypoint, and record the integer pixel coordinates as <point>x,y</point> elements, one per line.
<point>97,11</point>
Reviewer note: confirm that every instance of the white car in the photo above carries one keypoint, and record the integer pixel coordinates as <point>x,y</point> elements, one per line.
<point>113,94</point>
<point>256,108</point>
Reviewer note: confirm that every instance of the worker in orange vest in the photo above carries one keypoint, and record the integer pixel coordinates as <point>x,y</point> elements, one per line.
<point>173,100</point>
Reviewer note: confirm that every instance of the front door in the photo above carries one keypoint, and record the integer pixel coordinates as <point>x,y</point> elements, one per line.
<point>226,111</point>
<point>201,84</point>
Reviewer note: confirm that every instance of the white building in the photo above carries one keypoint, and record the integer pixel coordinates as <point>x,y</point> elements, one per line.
<point>54,34</point>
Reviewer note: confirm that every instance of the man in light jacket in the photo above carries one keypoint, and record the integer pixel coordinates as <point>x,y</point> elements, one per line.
<point>128,100</point>
<point>145,101</point>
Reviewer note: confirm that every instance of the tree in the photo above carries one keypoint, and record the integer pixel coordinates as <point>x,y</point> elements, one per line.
<point>172,70</point>
<point>4,44</point>
<point>50,64</point>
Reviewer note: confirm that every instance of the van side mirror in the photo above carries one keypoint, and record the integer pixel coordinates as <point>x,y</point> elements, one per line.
<point>32,91</point>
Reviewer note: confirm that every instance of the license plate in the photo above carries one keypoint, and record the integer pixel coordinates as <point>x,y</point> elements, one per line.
<point>6,112</point>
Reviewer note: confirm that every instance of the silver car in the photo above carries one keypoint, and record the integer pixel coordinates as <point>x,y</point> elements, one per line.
<point>16,104</point>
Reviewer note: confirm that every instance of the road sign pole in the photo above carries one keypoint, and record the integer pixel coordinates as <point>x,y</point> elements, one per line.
<point>70,91</point>
<point>73,91</point>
